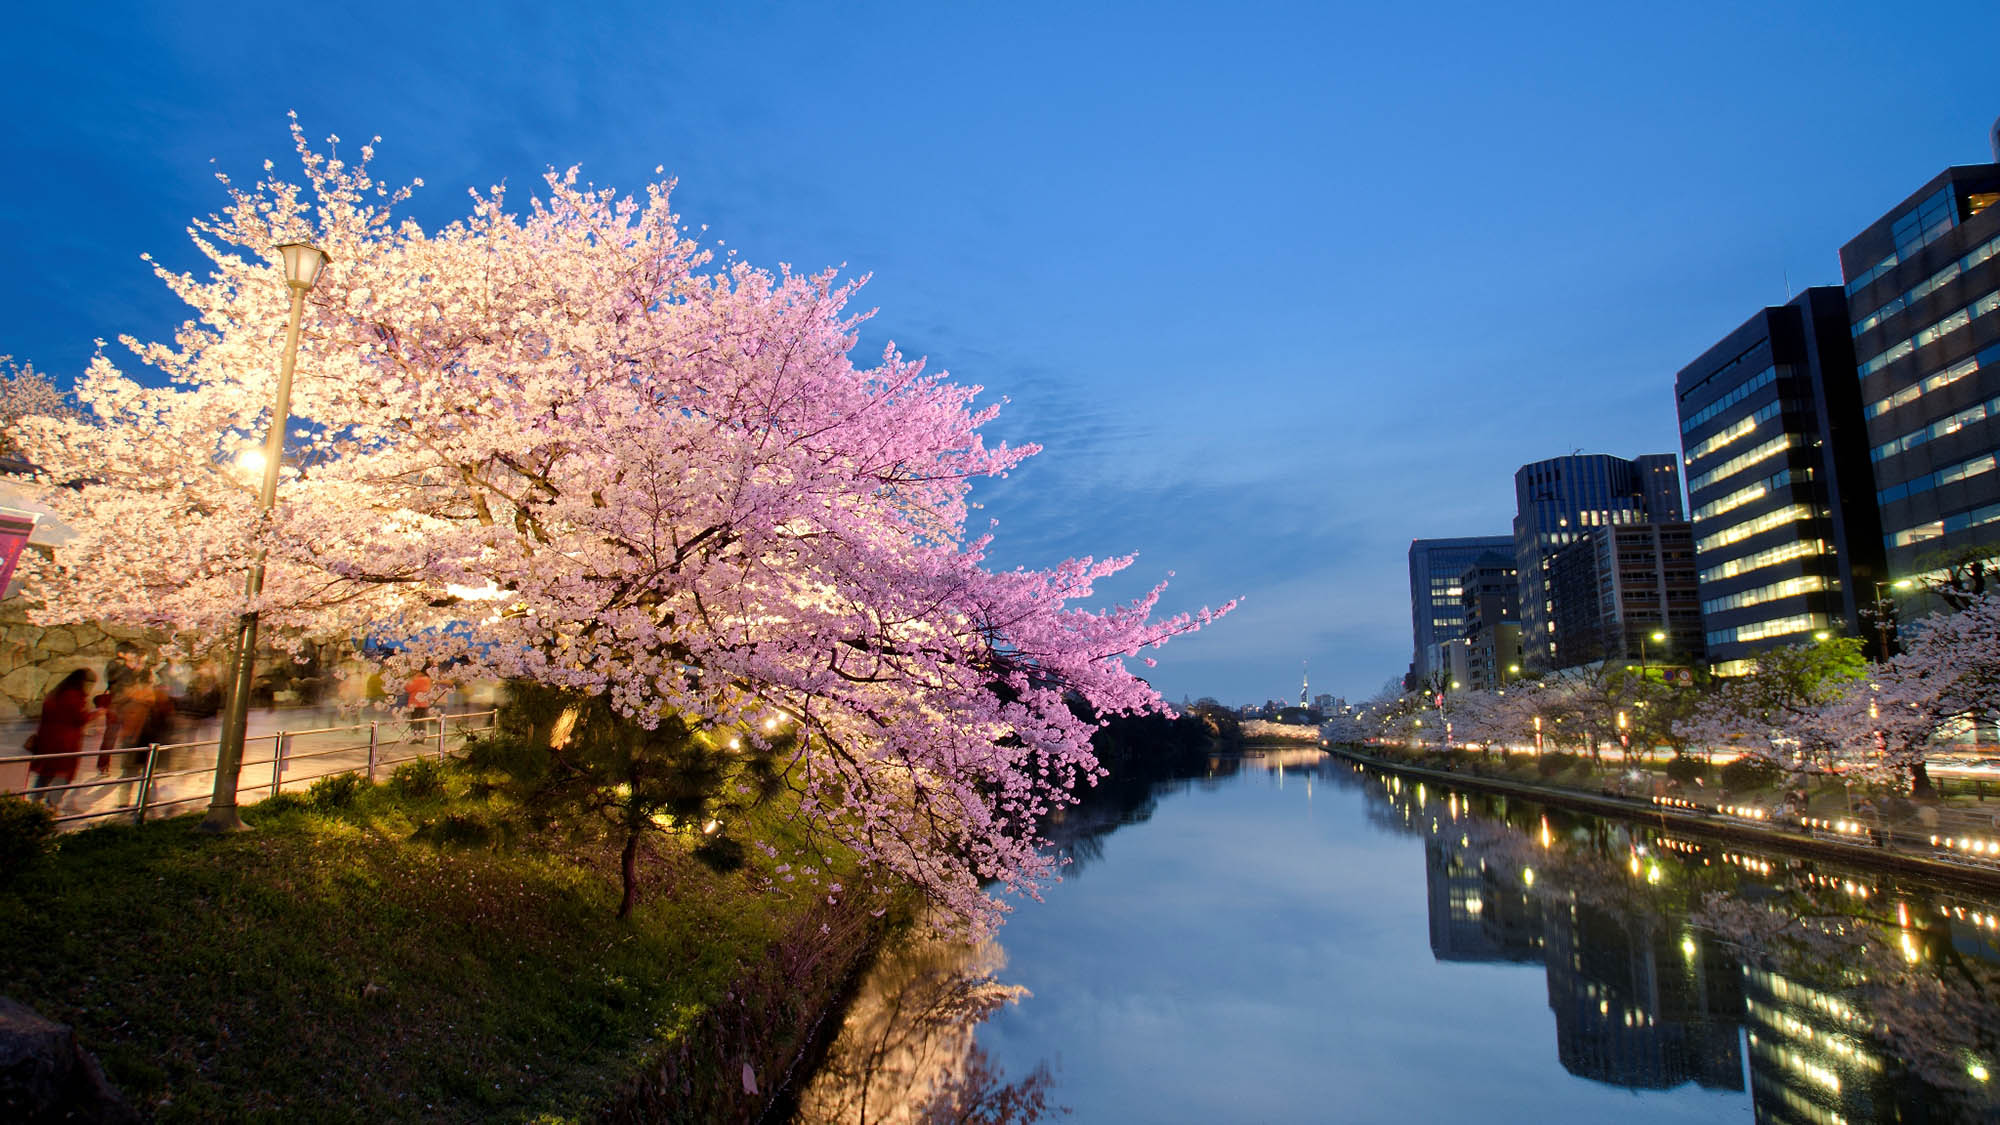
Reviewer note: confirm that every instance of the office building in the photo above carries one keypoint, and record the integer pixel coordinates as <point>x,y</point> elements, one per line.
<point>1787,535</point>
<point>1923,294</point>
<point>1491,596</point>
<point>1557,502</point>
<point>1437,613</point>
<point>1627,593</point>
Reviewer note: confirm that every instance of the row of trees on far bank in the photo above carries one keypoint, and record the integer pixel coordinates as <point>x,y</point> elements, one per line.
<point>566,446</point>
<point>1814,709</point>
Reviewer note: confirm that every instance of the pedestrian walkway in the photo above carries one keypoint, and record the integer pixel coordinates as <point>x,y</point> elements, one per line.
<point>284,749</point>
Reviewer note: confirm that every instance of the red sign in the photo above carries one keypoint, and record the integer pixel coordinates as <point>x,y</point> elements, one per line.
<point>15,527</point>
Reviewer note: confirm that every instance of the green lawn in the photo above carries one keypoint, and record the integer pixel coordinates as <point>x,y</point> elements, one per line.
<point>326,966</point>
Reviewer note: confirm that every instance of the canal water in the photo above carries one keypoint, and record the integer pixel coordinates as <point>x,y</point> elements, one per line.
<point>1287,937</point>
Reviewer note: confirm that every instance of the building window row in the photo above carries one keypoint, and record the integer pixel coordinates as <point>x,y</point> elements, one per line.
<point>1760,630</point>
<point>1745,495</point>
<point>1971,467</point>
<point>1744,460</point>
<point>1926,223</point>
<point>1777,517</point>
<point>1789,588</point>
<point>1763,378</point>
<point>1770,556</point>
<point>1945,378</point>
<point>1928,285</point>
<point>1977,412</point>
<point>1944,326</point>
<point>1976,517</point>
<point>1743,426</point>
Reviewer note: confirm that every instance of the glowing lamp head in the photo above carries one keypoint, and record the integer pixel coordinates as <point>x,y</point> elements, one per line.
<point>1659,636</point>
<point>303,261</point>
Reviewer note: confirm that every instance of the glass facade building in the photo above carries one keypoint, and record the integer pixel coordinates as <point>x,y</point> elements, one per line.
<point>1923,296</point>
<point>1437,608</point>
<point>1787,537</point>
<point>1557,502</point>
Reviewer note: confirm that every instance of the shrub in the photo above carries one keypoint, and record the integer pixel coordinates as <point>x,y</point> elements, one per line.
<point>26,827</point>
<point>720,853</point>
<point>459,830</point>
<point>1751,773</point>
<point>1685,769</point>
<point>1554,762</point>
<point>417,778</point>
<point>336,791</point>
<point>280,804</point>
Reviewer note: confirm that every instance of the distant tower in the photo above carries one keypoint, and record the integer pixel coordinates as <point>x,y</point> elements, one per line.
<point>1993,137</point>
<point>1304,683</point>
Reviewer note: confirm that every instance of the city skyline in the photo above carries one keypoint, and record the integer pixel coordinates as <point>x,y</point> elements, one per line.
<point>1124,229</point>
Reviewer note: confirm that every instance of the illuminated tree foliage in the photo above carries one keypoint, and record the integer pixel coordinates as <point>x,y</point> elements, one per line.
<point>565,444</point>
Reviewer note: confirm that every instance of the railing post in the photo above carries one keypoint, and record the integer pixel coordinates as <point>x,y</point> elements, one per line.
<point>440,736</point>
<point>146,783</point>
<point>277,762</point>
<point>372,743</point>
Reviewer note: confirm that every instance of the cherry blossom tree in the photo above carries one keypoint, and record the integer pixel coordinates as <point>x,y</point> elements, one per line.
<point>1791,710</point>
<point>27,393</point>
<point>1944,682</point>
<point>567,444</point>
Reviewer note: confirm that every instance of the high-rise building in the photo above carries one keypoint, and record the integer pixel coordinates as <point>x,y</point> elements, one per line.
<point>1788,539</point>
<point>1557,501</point>
<point>1437,613</point>
<point>1923,291</point>
<point>1628,593</point>
<point>1491,594</point>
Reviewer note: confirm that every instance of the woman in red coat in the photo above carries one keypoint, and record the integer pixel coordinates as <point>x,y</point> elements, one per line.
<point>64,712</point>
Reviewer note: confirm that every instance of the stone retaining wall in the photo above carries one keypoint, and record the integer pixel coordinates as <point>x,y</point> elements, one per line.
<point>33,658</point>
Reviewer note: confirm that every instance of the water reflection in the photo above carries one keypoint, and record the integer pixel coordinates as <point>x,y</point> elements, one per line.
<point>1855,997</point>
<point>907,1052</point>
<point>1238,949</point>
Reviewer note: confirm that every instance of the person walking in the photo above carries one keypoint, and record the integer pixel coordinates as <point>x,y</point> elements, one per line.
<point>417,699</point>
<point>58,739</point>
<point>128,700</point>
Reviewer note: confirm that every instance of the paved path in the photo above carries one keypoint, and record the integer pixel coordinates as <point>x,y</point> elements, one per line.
<point>317,743</point>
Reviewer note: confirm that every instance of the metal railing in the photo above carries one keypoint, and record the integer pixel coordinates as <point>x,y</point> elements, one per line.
<point>159,779</point>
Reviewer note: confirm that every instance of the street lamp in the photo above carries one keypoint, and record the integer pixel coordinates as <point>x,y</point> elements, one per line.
<point>1882,605</point>
<point>1659,636</point>
<point>303,263</point>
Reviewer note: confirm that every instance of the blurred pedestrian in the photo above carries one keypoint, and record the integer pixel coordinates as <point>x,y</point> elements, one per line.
<point>132,702</point>
<point>57,743</point>
<point>417,704</point>
<point>119,673</point>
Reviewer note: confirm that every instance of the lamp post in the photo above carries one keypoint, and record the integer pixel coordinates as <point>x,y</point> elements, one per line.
<point>303,263</point>
<point>1659,637</point>
<point>1882,604</point>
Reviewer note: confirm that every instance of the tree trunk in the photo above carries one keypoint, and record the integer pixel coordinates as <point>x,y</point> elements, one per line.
<point>628,867</point>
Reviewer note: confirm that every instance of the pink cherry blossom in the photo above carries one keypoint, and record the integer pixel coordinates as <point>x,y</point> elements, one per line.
<point>564,443</point>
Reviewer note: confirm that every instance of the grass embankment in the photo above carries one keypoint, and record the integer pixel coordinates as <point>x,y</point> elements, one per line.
<point>339,963</point>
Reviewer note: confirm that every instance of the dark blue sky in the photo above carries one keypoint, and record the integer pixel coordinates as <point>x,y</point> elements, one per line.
<point>1280,286</point>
